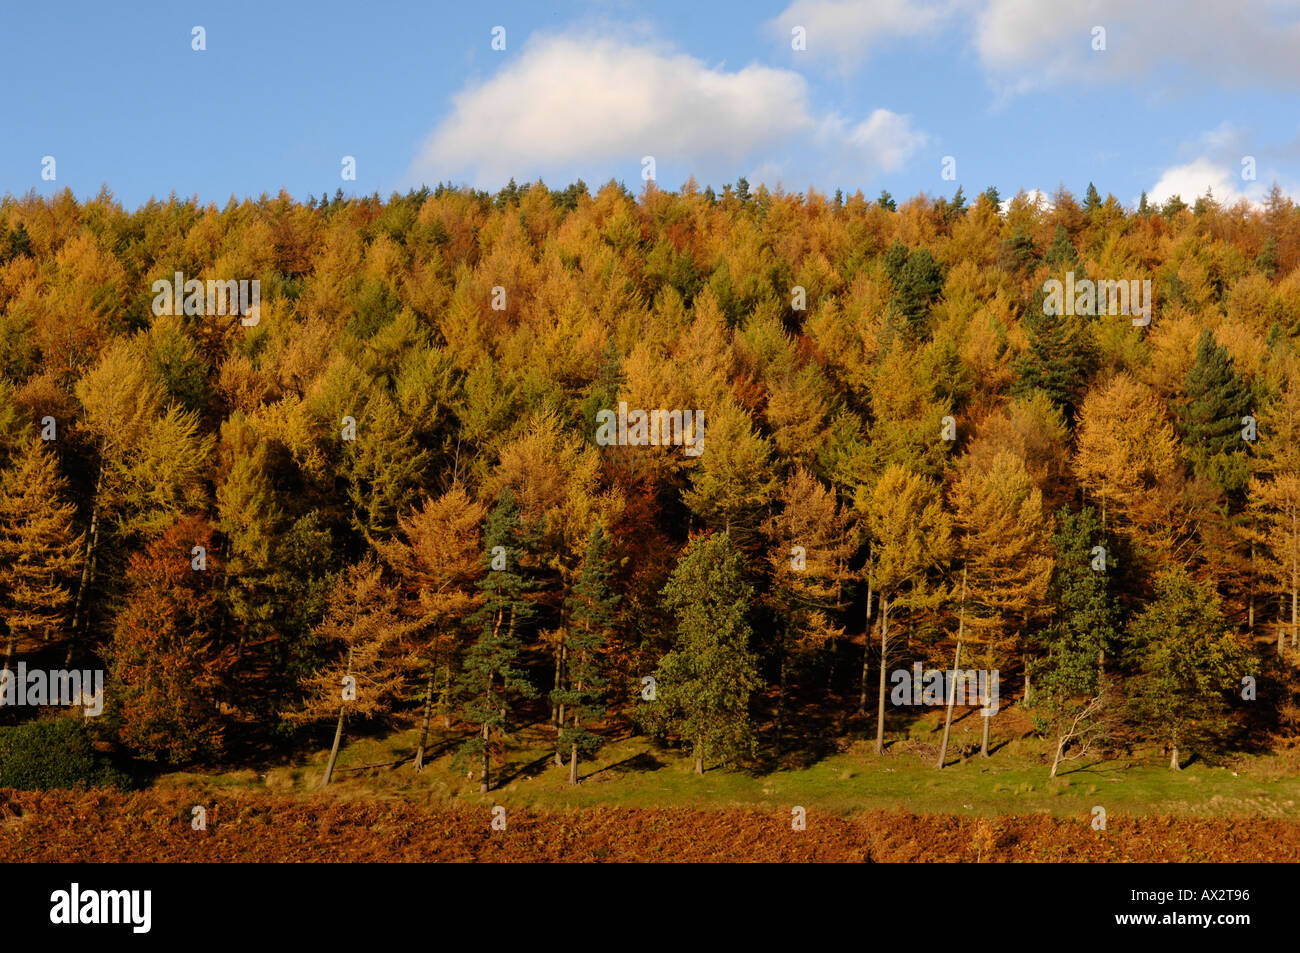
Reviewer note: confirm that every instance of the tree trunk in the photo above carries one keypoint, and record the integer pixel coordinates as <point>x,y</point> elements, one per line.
<point>884,647</point>
<point>334,751</point>
<point>573,764</point>
<point>780,699</point>
<point>984,742</point>
<point>1173,758</point>
<point>445,701</point>
<point>483,783</point>
<point>956,665</point>
<point>1060,748</point>
<point>87,567</point>
<point>424,724</point>
<point>699,756</point>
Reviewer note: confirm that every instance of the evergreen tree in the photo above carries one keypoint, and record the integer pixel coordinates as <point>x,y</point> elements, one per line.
<point>491,675</point>
<point>1210,419</point>
<point>1061,254</point>
<point>993,197</point>
<point>1071,694</point>
<point>591,618</point>
<point>1188,663</point>
<point>1060,359</point>
<point>886,201</point>
<point>1266,261</point>
<point>917,286</point>
<point>1144,207</point>
<point>1019,254</point>
<point>703,685</point>
<point>1091,201</point>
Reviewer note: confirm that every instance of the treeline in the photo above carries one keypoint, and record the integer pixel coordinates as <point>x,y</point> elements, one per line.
<point>384,498</point>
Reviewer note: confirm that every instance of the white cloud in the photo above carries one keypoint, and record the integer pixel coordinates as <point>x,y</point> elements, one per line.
<point>569,103</point>
<point>848,30</point>
<point>1024,44</point>
<point>1027,43</point>
<point>1193,179</point>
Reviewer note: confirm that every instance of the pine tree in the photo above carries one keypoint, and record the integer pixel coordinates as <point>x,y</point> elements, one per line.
<point>1210,419</point>
<point>1071,695</point>
<point>1188,662</point>
<point>1091,201</point>
<point>493,659</point>
<point>703,685</point>
<point>1059,361</point>
<point>886,201</point>
<point>1275,503</point>
<point>1061,254</point>
<point>591,610</point>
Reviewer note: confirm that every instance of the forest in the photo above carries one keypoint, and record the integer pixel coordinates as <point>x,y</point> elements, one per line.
<point>416,490</point>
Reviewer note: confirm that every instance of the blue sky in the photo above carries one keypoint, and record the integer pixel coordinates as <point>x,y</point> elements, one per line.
<point>1012,90</point>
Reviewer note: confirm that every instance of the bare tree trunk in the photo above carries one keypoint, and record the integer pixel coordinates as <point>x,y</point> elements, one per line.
<point>445,702</point>
<point>1173,758</point>
<point>573,764</point>
<point>699,756</point>
<point>984,742</point>
<point>884,653</point>
<point>1060,747</point>
<point>87,568</point>
<point>780,699</point>
<point>334,751</point>
<point>956,665</point>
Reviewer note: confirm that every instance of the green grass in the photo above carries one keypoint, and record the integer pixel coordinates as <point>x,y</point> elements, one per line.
<point>633,773</point>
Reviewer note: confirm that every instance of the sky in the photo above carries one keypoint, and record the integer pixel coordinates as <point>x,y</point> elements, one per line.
<point>905,95</point>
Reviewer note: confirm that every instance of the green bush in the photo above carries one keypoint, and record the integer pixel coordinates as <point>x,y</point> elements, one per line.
<point>57,753</point>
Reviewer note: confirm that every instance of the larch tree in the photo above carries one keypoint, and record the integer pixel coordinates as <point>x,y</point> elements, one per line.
<point>811,543</point>
<point>172,659</point>
<point>365,669</point>
<point>39,548</point>
<point>1005,545</point>
<point>437,557</point>
<point>911,536</point>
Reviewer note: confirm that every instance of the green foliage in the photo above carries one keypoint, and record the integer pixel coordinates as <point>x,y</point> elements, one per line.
<point>55,753</point>
<point>703,685</point>
<point>1188,663</point>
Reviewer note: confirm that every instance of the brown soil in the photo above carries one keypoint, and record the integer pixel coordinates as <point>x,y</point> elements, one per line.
<point>102,826</point>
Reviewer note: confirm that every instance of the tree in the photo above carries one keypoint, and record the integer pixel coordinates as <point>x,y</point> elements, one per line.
<point>1071,696</point>
<point>1061,254</point>
<point>38,547</point>
<point>911,535</point>
<point>917,285</point>
<point>591,606</point>
<point>1005,530</point>
<point>494,657</point>
<point>810,544</point>
<point>1187,663</point>
<point>1059,361</point>
<point>172,657</point>
<point>1275,503</point>
<point>437,557</point>
<point>1210,419</point>
<point>365,672</point>
<point>704,683</point>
